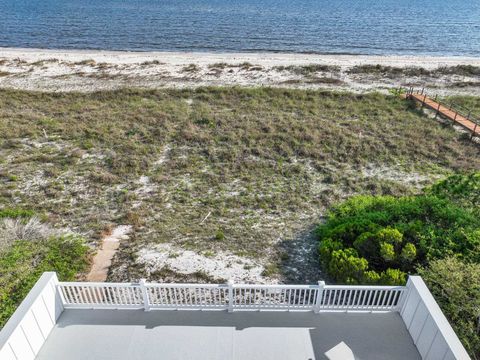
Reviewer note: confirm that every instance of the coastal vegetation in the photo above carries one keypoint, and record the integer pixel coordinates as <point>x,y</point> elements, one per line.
<point>392,71</point>
<point>380,240</point>
<point>29,247</point>
<point>215,171</point>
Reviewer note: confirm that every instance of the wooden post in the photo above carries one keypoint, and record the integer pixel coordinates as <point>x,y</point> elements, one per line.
<point>146,302</point>
<point>474,132</point>
<point>438,111</point>
<point>230,295</point>
<point>318,300</point>
<point>455,117</point>
<point>424,98</point>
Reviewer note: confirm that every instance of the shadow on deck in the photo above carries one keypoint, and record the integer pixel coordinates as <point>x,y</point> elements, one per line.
<point>135,334</point>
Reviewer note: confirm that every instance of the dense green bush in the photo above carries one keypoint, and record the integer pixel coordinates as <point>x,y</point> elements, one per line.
<point>456,287</point>
<point>370,239</point>
<point>464,190</point>
<point>22,264</point>
<point>16,213</point>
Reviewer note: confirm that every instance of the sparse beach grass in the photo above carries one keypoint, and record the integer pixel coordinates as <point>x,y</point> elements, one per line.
<point>308,69</point>
<point>103,71</point>
<point>468,102</point>
<point>392,71</point>
<point>215,171</point>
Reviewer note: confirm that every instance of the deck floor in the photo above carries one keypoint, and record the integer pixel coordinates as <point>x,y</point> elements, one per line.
<point>135,334</point>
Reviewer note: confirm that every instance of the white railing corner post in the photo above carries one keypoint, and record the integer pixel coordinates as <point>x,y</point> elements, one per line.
<point>146,301</point>
<point>404,297</point>
<point>230,295</point>
<point>318,300</point>
<point>59,292</point>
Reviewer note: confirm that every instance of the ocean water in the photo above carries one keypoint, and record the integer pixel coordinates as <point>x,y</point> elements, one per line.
<point>428,27</point>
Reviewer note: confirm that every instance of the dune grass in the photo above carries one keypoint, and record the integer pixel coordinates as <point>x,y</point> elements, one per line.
<point>264,163</point>
<point>392,71</point>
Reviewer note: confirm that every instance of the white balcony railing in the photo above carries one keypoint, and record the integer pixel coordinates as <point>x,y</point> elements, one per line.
<point>118,295</point>
<point>231,296</point>
<point>24,334</point>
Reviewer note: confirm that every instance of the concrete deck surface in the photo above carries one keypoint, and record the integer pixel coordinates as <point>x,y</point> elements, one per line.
<point>210,335</point>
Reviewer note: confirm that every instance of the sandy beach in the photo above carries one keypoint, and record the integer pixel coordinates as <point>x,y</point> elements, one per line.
<point>84,71</point>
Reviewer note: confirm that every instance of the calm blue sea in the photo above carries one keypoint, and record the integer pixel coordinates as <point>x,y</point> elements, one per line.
<point>430,27</point>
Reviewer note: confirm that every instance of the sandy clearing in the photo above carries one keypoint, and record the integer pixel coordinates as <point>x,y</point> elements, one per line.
<point>220,265</point>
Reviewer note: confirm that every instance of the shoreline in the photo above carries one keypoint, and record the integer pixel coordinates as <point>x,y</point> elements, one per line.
<point>95,70</point>
<point>427,61</point>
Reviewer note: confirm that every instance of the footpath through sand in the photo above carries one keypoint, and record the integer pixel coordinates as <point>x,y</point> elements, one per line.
<point>104,256</point>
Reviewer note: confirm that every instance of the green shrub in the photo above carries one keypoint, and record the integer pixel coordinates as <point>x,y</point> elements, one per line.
<point>326,248</point>
<point>392,236</point>
<point>455,285</point>
<point>409,252</point>
<point>22,264</point>
<point>16,213</point>
<point>371,277</point>
<point>393,277</point>
<point>219,235</point>
<point>464,190</point>
<point>346,266</point>
<point>387,251</point>
<point>381,239</point>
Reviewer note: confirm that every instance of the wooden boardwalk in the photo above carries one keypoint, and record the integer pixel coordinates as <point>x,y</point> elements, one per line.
<point>446,111</point>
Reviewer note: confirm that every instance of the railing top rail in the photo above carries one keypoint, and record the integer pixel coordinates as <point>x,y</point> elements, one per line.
<point>153,284</point>
<point>176,285</point>
<point>466,112</point>
<point>237,286</point>
<point>257,286</point>
<point>365,287</point>
<point>197,286</point>
<point>92,284</point>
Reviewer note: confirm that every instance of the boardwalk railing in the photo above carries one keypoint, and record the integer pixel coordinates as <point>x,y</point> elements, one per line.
<point>231,297</point>
<point>452,111</point>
